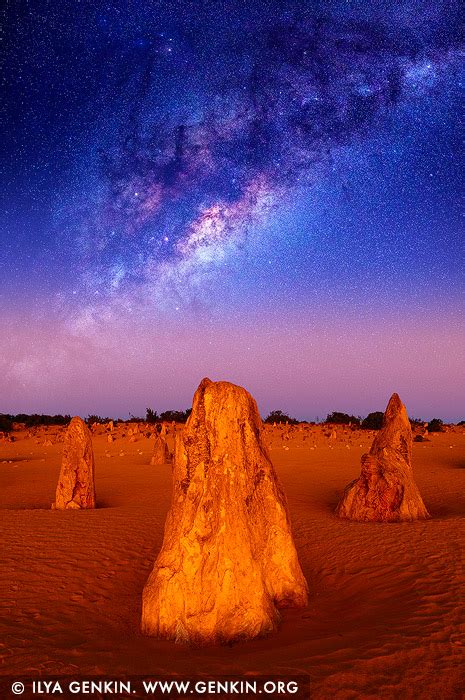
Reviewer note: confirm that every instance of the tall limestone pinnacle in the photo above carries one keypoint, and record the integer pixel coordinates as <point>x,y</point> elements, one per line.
<point>161,453</point>
<point>228,560</point>
<point>76,487</point>
<point>385,490</point>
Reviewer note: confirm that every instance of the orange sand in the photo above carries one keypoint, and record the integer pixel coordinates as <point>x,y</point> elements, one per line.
<point>387,601</point>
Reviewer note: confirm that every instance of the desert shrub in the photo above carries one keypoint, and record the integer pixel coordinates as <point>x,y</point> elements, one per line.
<point>435,426</point>
<point>177,416</point>
<point>60,420</point>
<point>151,416</point>
<point>373,421</point>
<point>280,417</point>
<point>31,420</point>
<point>341,418</point>
<point>6,423</point>
<point>96,419</point>
<point>416,423</point>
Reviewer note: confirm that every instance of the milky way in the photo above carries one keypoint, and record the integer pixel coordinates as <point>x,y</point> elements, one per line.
<point>179,193</point>
<point>264,192</point>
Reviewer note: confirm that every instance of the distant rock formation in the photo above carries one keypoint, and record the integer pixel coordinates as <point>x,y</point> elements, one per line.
<point>228,560</point>
<point>161,453</point>
<point>76,487</point>
<point>385,490</point>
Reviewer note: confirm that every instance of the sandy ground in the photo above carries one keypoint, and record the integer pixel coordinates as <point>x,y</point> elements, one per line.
<point>386,617</point>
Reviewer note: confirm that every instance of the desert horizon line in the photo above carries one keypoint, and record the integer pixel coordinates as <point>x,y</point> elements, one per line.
<point>180,416</point>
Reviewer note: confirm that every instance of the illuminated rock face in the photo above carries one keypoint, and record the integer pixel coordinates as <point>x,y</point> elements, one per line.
<point>161,453</point>
<point>228,561</point>
<point>385,490</point>
<point>76,487</point>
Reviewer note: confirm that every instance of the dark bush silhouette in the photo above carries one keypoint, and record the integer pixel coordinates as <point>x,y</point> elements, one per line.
<point>151,416</point>
<point>341,418</point>
<point>280,417</point>
<point>177,416</point>
<point>6,424</point>
<point>96,419</point>
<point>134,419</point>
<point>373,421</point>
<point>416,423</point>
<point>38,419</point>
<point>435,426</point>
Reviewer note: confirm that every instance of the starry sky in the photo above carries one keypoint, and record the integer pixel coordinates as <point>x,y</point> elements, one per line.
<point>267,193</point>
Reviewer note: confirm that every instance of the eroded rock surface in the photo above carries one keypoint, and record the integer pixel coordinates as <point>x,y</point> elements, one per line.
<point>228,560</point>
<point>76,487</point>
<point>385,490</point>
<point>161,453</point>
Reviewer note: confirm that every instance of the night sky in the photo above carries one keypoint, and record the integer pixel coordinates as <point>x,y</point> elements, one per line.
<point>262,192</point>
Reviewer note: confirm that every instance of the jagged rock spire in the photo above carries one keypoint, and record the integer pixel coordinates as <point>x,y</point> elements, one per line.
<point>76,488</point>
<point>228,560</point>
<point>385,490</point>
